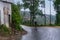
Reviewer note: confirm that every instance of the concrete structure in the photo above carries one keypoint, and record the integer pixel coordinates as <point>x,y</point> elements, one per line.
<point>5,12</point>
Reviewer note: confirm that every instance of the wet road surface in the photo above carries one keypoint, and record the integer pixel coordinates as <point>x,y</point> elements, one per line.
<point>42,33</point>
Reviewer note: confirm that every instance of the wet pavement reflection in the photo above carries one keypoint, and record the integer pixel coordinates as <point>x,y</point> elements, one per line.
<point>42,33</point>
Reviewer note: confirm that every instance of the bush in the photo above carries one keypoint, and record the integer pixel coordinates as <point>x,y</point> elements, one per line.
<point>18,27</point>
<point>57,24</point>
<point>26,23</point>
<point>16,17</point>
<point>51,25</point>
<point>4,30</point>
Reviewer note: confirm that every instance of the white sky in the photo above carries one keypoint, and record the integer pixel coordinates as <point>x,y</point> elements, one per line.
<point>47,7</point>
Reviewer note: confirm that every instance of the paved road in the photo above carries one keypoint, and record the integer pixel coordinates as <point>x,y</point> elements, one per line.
<point>42,33</point>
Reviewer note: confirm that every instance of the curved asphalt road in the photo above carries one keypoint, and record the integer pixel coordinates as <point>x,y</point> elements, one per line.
<point>42,33</point>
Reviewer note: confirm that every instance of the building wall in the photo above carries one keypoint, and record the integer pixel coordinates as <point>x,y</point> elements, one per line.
<point>0,16</point>
<point>1,11</point>
<point>5,12</point>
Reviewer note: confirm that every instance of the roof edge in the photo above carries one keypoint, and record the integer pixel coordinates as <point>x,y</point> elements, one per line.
<point>7,2</point>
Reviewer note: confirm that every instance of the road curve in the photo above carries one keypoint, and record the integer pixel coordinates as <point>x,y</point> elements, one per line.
<point>42,33</point>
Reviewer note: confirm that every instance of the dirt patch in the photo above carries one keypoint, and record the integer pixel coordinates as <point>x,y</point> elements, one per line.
<point>14,36</point>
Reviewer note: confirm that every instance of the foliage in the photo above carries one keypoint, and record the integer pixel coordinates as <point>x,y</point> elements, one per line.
<point>26,23</point>
<point>39,12</point>
<point>4,30</point>
<point>33,7</point>
<point>57,8</point>
<point>16,17</point>
<point>18,4</point>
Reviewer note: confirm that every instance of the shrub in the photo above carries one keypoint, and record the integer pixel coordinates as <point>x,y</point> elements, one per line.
<point>16,17</point>
<point>4,30</point>
<point>57,24</point>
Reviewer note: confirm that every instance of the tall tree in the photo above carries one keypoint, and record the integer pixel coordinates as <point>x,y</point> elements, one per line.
<point>33,7</point>
<point>50,10</point>
<point>18,4</point>
<point>43,6</point>
<point>19,9</point>
<point>57,8</point>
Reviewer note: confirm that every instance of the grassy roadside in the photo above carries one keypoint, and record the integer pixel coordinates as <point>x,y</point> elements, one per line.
<point>51,26</point>
<point>9,33</point>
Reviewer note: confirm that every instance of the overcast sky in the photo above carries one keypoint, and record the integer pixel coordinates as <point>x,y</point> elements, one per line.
<point>47,7</point>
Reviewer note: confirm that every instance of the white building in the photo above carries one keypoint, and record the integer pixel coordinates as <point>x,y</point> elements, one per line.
<point>5,12</point>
